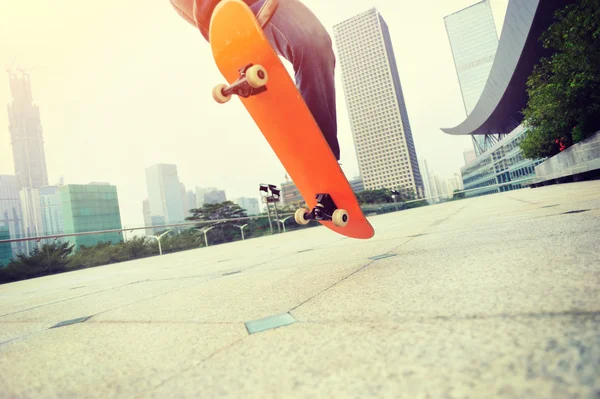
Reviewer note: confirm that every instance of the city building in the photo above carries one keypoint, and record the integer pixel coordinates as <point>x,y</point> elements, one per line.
<point>91,207</point>
<point>440,188</point>
<point>454,184</point>
<point>474,42</point>
<point>469,156</point>
<point>430,191</point>
<point>501,167</point>
<point>32,216</point>
<point>290,195</point>
<point>6,253</point>
<point>51,210</point>
<point>378,116</point>
<point>191,201</point>
<point>214,196</point>
<point>26,134</point>
<point>164,193</point>
<point>11,213</point>
<point>250,205</point>
<point>357,184</point>
<point>200,191</point>
<point>158,221</point>
<point>147,216</point>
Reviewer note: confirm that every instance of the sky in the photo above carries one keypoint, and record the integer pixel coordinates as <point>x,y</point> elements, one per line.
<point>122,85</point>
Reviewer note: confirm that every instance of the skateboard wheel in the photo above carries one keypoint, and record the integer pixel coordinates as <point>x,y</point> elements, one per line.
<point>218,96</point>
<point>299,216</point>
<point>340,217</point>
<point>256,76</point>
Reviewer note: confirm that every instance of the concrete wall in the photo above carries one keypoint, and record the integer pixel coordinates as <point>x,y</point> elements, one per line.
<point>578,159</point>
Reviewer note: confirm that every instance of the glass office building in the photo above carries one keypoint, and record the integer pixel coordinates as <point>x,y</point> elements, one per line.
<point>501,168</point>
<point>91,207</point>
<point>474,42</point>
<point>6,253</point>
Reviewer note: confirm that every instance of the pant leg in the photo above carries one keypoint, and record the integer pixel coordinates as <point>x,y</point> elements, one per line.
<point>298,36</point>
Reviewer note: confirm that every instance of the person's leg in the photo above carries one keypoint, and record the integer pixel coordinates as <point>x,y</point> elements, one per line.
<point>298,36</point>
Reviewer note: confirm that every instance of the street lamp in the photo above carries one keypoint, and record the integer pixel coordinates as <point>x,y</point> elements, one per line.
<point>241,229</point>
<point>271,195</point>
<point>158,239</point>
<point>283,222</point>
<point>395,196</point>
<point>205,231</point>
<point>275,199</point>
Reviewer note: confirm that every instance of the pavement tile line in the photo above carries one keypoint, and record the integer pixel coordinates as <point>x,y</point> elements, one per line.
<point>440,221</point>
<point>89,318</point>
<point>142,394</point>
<point>390,252</point>
<point>524,201</point>
<point>215,277</point>
<point>393,322</point>
<point>379,257</point>
<point>67,299</point>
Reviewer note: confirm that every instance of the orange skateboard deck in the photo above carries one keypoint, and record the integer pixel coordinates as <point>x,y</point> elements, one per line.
<point>257,76</point>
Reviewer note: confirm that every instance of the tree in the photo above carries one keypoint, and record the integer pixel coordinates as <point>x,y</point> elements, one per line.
<point>379,196</point>
<point>49,259</point>
<point>564,90</point>
<point>223,210</point>
<point>384,195</point>
<point>225,231</point>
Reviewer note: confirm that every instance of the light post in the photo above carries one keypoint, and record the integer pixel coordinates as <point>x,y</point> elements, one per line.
<point>206,231</point>
<point>395,196</point>
<point>271,195</point>
<point>159,238</point>
<point>275,196</point>
<point>241,229</point>
<point>283,222</point>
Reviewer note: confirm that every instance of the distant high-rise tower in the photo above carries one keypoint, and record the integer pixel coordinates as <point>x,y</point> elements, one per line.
<point>474,42</point>
<point>250,205</point>
<point>164,193</point>
<point>430,194</point>
<point>26,134</point>
<point>378,117</point>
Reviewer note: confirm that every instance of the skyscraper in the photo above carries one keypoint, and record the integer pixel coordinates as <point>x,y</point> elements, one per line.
<point>430,192</point>
<point>474,42</point>
<point>164,193</point>
<point>26,134</point>
<point>378,117</point>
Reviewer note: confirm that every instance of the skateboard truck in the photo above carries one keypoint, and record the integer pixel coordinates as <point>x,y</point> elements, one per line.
<point>325,210</point>
<point>251,81</point>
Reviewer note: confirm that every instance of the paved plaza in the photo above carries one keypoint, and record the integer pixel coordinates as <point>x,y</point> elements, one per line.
<point>495,296</point>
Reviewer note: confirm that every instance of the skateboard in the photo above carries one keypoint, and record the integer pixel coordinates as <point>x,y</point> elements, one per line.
<point>255,74</point>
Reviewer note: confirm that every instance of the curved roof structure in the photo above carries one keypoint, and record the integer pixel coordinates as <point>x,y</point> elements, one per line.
<point>499,108</point>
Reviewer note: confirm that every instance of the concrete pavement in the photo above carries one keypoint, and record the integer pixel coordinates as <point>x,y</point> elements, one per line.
<point>495,296</point>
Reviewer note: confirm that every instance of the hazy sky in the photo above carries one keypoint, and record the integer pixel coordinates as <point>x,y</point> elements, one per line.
<point>123,85</point>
